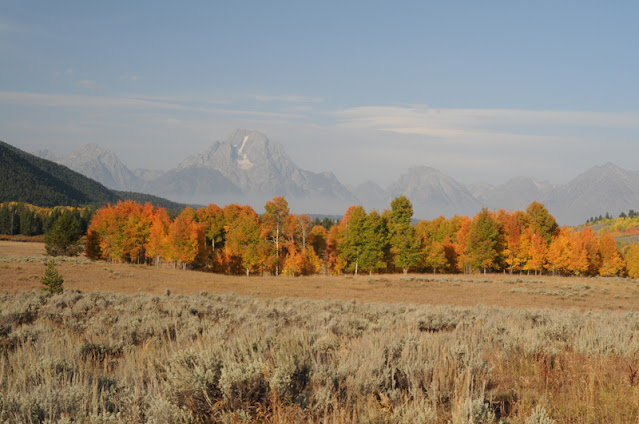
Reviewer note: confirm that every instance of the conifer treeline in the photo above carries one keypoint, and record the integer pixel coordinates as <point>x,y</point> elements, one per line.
<point>236,240</point>
<point>29,220</point>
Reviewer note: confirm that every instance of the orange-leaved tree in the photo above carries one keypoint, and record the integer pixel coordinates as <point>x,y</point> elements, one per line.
<point>185,239</point>
<point>611,262</point>
<point>273,222</point>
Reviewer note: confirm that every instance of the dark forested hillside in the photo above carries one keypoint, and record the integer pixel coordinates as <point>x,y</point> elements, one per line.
<point>41,182</point>
<point>28,178</point>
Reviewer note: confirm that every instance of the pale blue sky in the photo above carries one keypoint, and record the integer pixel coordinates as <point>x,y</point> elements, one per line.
<point>480,90</point>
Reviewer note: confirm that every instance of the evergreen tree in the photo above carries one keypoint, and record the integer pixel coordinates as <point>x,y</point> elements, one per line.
<point>64,237</point>
<point>27,222</point>
<point>52,281</point>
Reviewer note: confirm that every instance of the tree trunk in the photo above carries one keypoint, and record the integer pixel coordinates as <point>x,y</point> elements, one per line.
<point>277,250</point>
<point>247,272</point>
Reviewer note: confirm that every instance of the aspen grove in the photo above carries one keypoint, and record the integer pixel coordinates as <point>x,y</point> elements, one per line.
<point>236,240</point>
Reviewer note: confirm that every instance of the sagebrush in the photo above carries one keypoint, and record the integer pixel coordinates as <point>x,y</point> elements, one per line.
<point>105,357</point>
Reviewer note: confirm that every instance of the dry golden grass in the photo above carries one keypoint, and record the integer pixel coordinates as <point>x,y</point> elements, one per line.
<point>16,273</point>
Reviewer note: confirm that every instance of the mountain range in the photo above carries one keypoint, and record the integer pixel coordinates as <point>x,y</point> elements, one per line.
<point>28,178</point>
<point>246,167</point>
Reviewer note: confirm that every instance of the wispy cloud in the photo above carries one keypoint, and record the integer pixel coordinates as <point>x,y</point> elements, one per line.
<point>69,71</point>
<point>90,84</point>
<point>287,98</point>
<point>128,102</point>
<point>132,78</point>
<point>469,124</point>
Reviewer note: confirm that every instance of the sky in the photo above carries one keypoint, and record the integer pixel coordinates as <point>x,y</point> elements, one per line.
<point>482,91</point>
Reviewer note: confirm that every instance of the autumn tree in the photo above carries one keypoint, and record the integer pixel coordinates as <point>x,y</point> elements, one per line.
<point>511,224</point>
<point>185,238</point>
<point>317,240</point>
<point>559,252</point>
<point>157,245</point>
<point>305,224</point>
<point>120,232</point>
<point>351,242</point>
<point>273,221</point>
<point>584,255</point>
<point>334,261</point>
<point>431,236</point>
<point>242,247</point>
<point>533,251</point>
<point>212,220</point>
<point>611,262</point>
<point>632,260</point>
<point>461,247</point>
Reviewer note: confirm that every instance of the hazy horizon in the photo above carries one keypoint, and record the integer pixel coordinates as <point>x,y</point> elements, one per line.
<point>481,92</point>
<point>59,154</point>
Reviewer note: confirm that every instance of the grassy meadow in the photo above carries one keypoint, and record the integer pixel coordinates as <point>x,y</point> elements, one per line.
<point>127,343</point>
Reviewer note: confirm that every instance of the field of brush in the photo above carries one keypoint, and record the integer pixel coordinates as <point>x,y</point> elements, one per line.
<point>128,343</point>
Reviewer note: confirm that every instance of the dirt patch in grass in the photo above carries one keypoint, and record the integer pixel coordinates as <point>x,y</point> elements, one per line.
<point>22,266</point>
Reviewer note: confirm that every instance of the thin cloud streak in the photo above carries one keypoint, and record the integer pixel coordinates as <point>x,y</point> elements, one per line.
<point>140,103</point>
<point>464,123</point>
<point>90,84</point>
<point>288,98</point>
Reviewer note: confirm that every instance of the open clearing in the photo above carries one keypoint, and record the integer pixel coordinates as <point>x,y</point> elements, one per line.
<point>21,267</point>
<point>321,349</point>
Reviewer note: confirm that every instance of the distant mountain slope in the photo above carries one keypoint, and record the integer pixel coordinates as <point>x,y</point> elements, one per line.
<point>102,166</point>
<point>372,195</point>
<point>28,178</point>
<point>516,194</point>
<point>601,189</point>
<point>260,169</point>
<point>432,193</point>
<point>193,185</point>
<point>44,183</point>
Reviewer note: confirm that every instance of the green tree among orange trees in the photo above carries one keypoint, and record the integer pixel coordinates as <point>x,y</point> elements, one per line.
<point>403,239</point>
<point>483,243</point>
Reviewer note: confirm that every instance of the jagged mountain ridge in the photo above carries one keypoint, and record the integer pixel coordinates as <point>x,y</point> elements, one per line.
<point>261,169</point>
<point>248,168</point>
<point>29,178</point>
<point>98,164</point>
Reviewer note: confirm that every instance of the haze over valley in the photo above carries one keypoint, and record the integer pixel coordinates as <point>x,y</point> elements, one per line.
<point>246,167</point>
